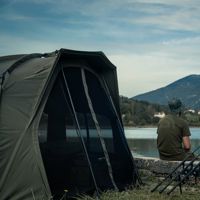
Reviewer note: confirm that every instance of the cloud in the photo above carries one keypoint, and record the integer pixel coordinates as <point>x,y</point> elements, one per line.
<point>138,74</point>
<point>157,66</point>
<point>152,42</point>
<point>18,45</point>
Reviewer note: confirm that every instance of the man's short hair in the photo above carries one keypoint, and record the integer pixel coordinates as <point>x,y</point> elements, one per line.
<point>175,105</point>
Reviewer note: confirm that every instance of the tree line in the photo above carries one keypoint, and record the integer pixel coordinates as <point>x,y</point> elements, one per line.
<point>141,113</point>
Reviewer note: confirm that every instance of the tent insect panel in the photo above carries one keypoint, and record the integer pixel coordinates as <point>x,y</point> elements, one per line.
<point>62,148</point>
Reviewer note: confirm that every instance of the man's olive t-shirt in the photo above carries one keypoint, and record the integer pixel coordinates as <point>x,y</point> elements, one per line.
<point>171,130</point>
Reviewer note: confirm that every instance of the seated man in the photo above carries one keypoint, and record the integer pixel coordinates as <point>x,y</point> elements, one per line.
<point>173,140</point>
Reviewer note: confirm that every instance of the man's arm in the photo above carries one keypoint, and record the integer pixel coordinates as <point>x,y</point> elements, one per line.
<point>186,143</point>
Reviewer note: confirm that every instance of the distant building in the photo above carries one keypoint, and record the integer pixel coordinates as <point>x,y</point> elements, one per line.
<point>159,114</point>
<point>191,111</point>
<point>123,115</point>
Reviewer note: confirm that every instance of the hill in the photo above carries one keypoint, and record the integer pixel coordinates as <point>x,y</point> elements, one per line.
<point>186,89</point>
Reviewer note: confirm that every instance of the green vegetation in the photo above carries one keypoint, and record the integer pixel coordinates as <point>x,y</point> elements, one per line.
<point>190,192</point>
<point>141,113</point>
<point>140,194</point>
<point>192,118</point>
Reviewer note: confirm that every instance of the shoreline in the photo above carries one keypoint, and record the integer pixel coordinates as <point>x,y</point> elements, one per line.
<point>147,126</point>
<point>130,127</point>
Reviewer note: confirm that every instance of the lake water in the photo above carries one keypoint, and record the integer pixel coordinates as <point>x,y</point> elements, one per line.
<point>142,141</point>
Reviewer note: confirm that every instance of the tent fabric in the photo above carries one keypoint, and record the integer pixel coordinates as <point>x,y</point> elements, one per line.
<point>18,159</point>
<point>32,84</point>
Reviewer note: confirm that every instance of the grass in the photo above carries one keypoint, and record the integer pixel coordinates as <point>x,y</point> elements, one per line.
<point>190,192</point>
<point>142,195</point>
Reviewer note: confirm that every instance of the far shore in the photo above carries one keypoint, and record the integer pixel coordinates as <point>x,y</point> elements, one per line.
<point>146,126</point>
<point>151,126</point>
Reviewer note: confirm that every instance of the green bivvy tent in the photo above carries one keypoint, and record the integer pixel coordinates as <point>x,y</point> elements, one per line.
<point>60,126</point>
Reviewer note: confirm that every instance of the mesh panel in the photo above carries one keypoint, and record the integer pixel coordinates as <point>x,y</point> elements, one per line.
<point>62,150</point>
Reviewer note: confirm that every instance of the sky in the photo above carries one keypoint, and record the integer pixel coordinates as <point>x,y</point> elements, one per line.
<point>151,42</point>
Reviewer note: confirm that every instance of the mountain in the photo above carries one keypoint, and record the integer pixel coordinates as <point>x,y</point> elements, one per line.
<point>187,89</point>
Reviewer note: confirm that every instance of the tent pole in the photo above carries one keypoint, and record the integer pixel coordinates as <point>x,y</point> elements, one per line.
<point>87,131</point>
<point>79,133</point>
<point>120,126</point>
<point>110,171</point>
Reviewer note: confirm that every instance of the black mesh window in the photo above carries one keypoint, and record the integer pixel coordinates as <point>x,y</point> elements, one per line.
<point>66,119</point>
<point>100,105</point>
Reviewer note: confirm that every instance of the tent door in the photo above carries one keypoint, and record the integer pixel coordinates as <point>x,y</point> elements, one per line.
<point>98,129</point>
<point>84,111</point>
<point>64,158</point>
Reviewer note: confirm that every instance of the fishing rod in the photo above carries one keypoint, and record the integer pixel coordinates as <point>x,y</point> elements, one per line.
<point>181,164</point>
<point>194,171</point>
<point>184,171</point>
